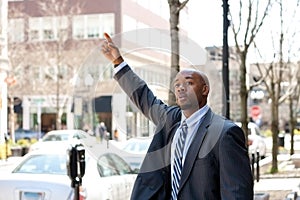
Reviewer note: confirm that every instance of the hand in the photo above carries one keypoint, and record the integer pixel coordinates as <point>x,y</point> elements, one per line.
<point>111,51</point>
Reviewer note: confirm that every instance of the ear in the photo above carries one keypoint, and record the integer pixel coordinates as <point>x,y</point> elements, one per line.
<point>205,90</point>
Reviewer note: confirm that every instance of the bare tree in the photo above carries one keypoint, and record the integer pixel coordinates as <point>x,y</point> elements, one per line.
<point>47,66</point>
<point>175,7</point>
<point>63,11</point>
<point>244,34</point>
<point>293,95</point>
<point>293,91</point>
<point>273,76</point>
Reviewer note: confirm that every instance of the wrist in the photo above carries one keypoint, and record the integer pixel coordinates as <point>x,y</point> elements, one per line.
<point>118,61</point>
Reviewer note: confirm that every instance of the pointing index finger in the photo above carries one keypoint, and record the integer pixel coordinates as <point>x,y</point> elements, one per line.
<point>107,37</point>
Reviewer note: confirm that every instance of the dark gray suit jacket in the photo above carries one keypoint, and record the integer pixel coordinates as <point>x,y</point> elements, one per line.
<point>217,164</point>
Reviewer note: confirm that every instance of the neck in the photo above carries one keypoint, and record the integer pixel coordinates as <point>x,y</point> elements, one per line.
<point>188,112</point>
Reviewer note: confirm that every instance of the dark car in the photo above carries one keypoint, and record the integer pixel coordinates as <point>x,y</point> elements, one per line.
<point>27,134</point>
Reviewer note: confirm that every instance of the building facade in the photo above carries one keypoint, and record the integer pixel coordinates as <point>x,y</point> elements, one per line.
<point>61,77</point>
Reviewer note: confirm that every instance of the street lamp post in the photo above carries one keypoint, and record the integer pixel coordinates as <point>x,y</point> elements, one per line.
<point>226,105</point>
<point>10,80</point>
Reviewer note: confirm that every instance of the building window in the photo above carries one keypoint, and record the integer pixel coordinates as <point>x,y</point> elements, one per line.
<point>34,35</point>
<point>48,35</point>
<point>47,28</point>
<point>93,26</point>
<point>16,30</point>
<point>34,29</point>
<point>78,27</point>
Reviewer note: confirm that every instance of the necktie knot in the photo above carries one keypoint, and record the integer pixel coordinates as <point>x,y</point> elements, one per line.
<point>182,135</point>
<point>184,127</point>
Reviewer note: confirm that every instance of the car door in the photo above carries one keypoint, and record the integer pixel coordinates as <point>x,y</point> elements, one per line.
<point>108,170</point>
<point>126,173</point>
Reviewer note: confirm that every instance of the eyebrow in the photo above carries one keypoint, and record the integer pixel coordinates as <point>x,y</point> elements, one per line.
<point>176,80</point>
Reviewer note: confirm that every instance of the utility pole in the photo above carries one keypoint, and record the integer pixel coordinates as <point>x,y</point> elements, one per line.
<point>225,66</point>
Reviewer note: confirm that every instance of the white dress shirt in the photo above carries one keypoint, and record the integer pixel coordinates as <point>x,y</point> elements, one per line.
<point>193,123</point>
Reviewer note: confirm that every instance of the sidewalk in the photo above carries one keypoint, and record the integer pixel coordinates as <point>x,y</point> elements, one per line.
<point>279,185</point>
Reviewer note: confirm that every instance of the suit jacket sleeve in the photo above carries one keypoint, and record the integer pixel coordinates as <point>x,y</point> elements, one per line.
<point>236,179</point>
<point>139,93</point>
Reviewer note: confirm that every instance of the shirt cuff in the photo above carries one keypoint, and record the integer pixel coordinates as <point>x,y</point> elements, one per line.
<point>119,67</point>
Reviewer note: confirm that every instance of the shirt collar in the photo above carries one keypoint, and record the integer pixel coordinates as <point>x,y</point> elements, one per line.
<point>195,117</point>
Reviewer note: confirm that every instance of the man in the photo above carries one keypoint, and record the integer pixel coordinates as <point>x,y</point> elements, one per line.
<point>194,154</point>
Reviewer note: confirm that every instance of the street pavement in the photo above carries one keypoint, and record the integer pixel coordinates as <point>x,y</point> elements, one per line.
<point>278,186</point>
<point>286,182</point>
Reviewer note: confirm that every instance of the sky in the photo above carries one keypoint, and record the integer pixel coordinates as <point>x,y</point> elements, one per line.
<point>206,27</point>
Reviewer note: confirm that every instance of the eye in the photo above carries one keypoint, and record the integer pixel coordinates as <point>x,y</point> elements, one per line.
<point>189,83</point>
<point>176,85</point>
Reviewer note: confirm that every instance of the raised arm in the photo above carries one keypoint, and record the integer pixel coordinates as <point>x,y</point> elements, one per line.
<point>135,88</point>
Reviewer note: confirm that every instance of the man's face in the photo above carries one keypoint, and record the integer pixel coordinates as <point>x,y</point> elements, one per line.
<point>190,90</point>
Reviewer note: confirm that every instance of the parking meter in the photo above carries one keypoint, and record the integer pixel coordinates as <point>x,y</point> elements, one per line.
<point>76,166</point>
<point>81,160</point>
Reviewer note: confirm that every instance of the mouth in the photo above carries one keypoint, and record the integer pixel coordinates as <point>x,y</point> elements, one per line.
<point>182,97</point>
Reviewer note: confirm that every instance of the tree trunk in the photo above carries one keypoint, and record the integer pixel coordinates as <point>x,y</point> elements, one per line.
<point>275,130</point>
<point>174,21</point>
<point>244,94</point>
<point>291,124</point>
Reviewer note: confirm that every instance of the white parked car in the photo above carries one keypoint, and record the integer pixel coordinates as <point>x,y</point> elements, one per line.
<point>256,141</point>
<point>133,151</point>
<point>137,145</point>
<point>63,136</point>
<point>42,174</point>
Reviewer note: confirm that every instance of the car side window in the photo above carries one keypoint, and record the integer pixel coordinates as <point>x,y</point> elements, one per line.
<point>106,167</point>
<point>121,165</point>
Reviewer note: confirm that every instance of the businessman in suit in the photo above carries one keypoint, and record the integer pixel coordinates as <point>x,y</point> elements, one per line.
<point>194,154</point>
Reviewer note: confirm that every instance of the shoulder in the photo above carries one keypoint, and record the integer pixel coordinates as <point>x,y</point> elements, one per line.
<point>226,123</point>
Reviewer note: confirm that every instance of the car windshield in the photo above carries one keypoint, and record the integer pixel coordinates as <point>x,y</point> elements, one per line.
<point>63,135</point>
<point>56,137</point>
<point>137,146</point>
<point>43,164</point>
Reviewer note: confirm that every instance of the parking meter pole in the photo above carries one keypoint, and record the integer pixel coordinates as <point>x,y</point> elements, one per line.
<point>107,140</point>
<point>257,166</point>
<point>76,190</point>
<point>252,163</point>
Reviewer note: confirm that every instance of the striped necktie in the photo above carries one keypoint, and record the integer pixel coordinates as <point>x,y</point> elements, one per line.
<point>177,166</point>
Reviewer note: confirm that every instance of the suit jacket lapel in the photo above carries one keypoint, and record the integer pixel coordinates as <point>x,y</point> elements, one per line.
<point>194,148</point>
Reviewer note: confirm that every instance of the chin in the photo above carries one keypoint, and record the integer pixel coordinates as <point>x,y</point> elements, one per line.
<point>184,106</point>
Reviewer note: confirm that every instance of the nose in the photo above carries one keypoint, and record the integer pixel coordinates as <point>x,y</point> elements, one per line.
<point>181,87</point>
